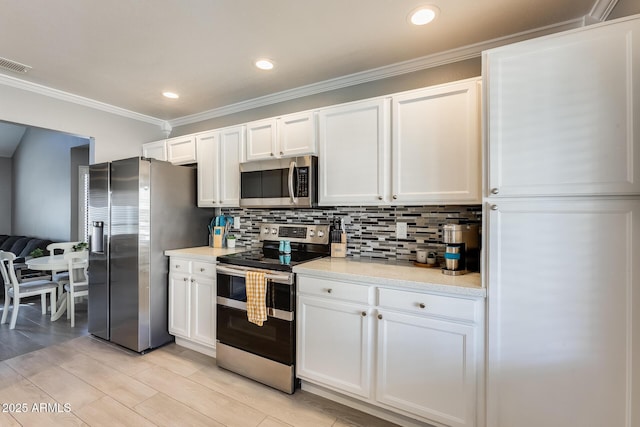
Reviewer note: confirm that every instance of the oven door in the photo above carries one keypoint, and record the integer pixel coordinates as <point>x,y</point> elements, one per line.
<point>275,339</point>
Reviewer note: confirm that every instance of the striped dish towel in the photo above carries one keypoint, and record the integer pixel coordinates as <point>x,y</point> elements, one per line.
<point>256,285</point>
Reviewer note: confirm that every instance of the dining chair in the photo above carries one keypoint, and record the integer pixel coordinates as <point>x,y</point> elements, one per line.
<point>78,284</point>
<point>61,277</point>
<point>15,290</point>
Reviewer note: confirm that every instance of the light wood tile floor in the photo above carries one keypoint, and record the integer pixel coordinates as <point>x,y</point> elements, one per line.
<point>88,382</point>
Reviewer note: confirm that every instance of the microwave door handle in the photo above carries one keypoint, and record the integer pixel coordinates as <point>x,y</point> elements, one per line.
<point>292,195</point>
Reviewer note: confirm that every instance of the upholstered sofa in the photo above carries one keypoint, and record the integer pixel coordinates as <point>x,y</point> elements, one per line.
<point>22,246</point>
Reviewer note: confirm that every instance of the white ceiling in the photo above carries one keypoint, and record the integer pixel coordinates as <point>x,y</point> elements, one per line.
<point>126,53</point>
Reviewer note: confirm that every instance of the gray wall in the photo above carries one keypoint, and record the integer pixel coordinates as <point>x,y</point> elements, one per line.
<point>42,184</point>
<point>624,8</point>
<point>429,77</point>
<point>5,194</point>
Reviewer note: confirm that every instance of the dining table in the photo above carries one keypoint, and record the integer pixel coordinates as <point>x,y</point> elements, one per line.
<point>55,263</point>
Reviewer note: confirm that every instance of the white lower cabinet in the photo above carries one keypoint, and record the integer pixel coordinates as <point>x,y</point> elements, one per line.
<point>412,353</point>
<point>192,303</point>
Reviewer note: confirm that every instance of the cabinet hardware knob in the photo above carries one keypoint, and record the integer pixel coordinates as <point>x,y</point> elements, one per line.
<point>185,279</point>
<point>329,290</point>
<point>177,265</point>
<point>271,154</point>
<point>421,305</point>
<point>379,197</point>
<point>395,196</point>
<point>193,280</point>
<point>202,269</point>
<point>282,153</point>
<point>364,314</point>
<point>494,207</point>
<point>379,316</point>
<point>494,191</point>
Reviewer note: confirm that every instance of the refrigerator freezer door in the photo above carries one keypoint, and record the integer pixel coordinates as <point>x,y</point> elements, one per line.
<point>99,253</point>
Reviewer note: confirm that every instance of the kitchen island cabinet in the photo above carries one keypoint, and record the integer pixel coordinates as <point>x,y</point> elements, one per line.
<point>397,350</point>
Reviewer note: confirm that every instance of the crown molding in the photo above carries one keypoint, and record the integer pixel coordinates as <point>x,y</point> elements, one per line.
<point>76,99</point>
<point>601,9</point>
<point>405,67</point>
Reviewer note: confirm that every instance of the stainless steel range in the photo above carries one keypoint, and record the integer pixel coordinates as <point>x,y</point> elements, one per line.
<point>265,353</point>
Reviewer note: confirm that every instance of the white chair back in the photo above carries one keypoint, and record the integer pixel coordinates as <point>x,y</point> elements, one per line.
<point>14,290</point>
<point>65,247</point>
<point>78,285</point>
<point>7,270</point>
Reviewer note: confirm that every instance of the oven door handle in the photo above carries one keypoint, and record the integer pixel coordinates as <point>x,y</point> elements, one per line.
<point>286,279</point>
<point>287,316</point>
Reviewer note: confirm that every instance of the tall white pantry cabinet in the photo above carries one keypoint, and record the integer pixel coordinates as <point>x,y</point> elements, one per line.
<point>563,218</point>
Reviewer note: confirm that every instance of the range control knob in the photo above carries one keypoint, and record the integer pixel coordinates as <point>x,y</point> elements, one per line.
<point>312,233</point>
<point>265,230</point>
<point>274,231</point>
<point>320,233</point>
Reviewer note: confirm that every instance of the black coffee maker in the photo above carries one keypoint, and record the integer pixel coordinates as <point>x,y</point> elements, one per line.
<point>462,253</point>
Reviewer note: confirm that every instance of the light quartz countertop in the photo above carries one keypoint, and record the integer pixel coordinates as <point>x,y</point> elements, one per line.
<point>396,274</point>
<point>373,272</point>
<point>203,253</point>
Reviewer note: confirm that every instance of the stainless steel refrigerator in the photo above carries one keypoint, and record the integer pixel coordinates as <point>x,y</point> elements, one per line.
<point>138,208</point>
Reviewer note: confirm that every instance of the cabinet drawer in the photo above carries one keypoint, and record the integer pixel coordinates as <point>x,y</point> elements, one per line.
<point>427,304</point>
<point>179,265</point>
<point>204,268</point>
<point>334,290</point>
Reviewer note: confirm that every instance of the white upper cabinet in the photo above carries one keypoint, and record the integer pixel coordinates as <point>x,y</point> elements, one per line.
<point>181,150</point>
<point>436,145</point>
<point>218,167</point>
<point>286,136</point>
<point>563,112</point>
<point>418,147</point>
<point>354,153</point>
<point>155,150</point>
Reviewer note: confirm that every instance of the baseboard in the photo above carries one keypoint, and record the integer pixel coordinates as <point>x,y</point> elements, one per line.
<point>209,351</point>
<point>362,406</point>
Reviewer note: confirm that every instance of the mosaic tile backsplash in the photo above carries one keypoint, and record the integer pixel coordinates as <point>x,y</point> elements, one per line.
<point>371,231</point>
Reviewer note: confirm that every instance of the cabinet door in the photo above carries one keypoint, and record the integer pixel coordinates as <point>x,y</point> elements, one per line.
<point>563,112</point>
<point>261,139</point>
<point>334,345</point>
<point>203,310</point>
<point>231,141</point>
<point>354,153</point>
<point>427,367</point>
<point>208,171</point>
<point>297,135</point>
<point>181,150</point>
<point>179,304</point>
<point>436,145</point>
<point>155,150</point>
<point>564,311</point>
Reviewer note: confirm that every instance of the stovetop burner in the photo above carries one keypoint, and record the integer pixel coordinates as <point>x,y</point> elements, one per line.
<point>308,242</point>
<point>269,259</point>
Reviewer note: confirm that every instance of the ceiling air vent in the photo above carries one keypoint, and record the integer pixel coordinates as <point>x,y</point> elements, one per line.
<point>14,66</point>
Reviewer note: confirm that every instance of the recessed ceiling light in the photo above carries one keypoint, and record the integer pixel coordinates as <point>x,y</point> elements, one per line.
<point>264,64</point>
<point>171,95</point>
<point>423,15</point>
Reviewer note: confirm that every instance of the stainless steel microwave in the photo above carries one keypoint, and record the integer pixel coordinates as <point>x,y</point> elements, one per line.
<point>279,183</point>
